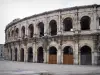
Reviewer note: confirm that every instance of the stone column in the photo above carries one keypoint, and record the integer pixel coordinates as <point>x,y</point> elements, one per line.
<point>45,56</point>
<point>35,53</point>
<point>79,58</point>
<point>59,56</point>
<point>13,54</point>
<point>94,50</point>
<point>26,29</point>
<point>95,22</point>
<point>34,56</point>
<point>76,54</point>
<point>46,27</point>
<point>77,29</point>
<point>20,51</point>
<point>18,54</point>
<point>25,54</point>
<point>94,58</point>
<point>19,35</point>
<point>62,52</point>
<point>36,29</point>
<point>59,24</point>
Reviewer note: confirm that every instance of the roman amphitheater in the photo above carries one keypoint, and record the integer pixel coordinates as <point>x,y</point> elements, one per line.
<point>63,36</point>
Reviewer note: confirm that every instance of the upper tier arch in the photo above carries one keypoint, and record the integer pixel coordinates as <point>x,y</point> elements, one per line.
<point>15,21</point>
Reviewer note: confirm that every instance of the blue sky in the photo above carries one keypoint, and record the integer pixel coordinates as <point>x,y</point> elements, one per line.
<point>11,9</point>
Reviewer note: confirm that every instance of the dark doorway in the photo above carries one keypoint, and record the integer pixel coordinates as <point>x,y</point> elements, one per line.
<point>40,55</point>
<point>52,55</point>
<point>53,27</point>
<point>85,55</point>
<point>11,54</point>
<point>12,33</point>
<point>31,30</point>
<point>41,29</point>
<point>30,54</point>
<point>85,23</point>
<point>23,32</point>
<point>67,24</point>
<point>22,54</point>
<point>17,32</point>
<point>68,55</point>
<point>8,34</point>
<point>16,54</point>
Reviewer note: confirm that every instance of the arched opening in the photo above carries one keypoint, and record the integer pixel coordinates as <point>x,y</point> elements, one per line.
<point>53,27</point>
<point>15,54</point>
<point>10,54</point>
<point>85,55</point>
<point>12,33</point>
<point>68,55</point>
<point>85,23</point>
<point>99,21</point>
<point>31,30</point>
<point>52,55</point>
<point>23,32</point>
<point>17,32</point>
<point>40,55</point>
<point>8,34</point>
<point>30,54</point>
<point>22,54</point>
<point>67,24</point>
<point>41,29</point>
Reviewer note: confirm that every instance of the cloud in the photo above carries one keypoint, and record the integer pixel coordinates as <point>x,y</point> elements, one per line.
<point>71,3</point>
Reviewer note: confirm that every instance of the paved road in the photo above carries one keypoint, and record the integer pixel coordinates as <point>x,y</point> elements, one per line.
<point>25,68</point>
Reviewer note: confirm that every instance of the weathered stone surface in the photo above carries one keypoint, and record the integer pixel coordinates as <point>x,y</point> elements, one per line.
<point>76,36</point>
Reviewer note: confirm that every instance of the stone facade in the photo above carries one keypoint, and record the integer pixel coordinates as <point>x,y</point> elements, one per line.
<point>1,50</point>
<point>64,36</point>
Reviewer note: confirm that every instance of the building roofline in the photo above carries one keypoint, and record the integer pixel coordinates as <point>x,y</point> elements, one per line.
<point>52,11</point>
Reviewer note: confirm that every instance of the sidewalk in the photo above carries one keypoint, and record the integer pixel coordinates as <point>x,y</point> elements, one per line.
<point>56,69</point>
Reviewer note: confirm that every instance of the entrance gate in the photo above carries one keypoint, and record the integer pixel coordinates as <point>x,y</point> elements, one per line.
<point>30,54</point>
<point>52,55</point>
<point>40,55</point>
<point>85,55</point>
<point>11,54</point>
<point>68,55</point>
<point>16,54</point>
<point>22,54</point>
